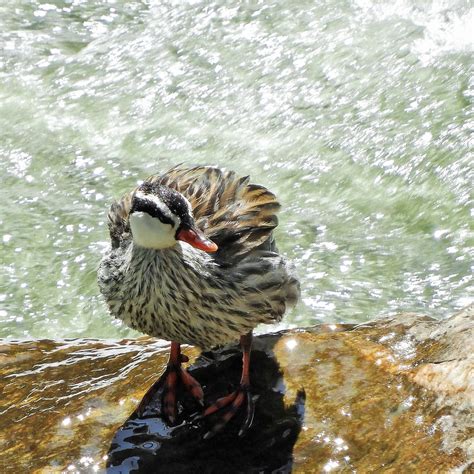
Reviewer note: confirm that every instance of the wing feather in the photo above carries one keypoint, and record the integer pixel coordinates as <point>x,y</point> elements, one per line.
<point>117,220</point>
<point>237,215</point>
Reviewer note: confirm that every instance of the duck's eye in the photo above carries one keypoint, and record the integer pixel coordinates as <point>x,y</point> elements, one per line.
<point>153,209</point>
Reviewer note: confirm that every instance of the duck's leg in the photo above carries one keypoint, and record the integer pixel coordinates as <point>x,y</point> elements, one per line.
<point>174,376</point>
<point>172,379</point>
<point>232,403</point>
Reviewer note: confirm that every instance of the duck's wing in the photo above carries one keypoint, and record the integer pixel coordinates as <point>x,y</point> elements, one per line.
<point>237,215</point>
<point>117,220</point>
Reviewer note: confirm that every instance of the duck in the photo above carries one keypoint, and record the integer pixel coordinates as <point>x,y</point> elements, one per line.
<point>193,260</point>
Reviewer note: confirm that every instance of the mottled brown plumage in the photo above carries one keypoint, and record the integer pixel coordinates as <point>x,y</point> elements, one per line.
<point>234,214</point>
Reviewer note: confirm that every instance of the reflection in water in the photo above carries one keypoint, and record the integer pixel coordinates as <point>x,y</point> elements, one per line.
<point>148,444</point>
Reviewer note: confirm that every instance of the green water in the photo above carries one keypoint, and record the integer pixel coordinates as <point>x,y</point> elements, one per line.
<point>356,114</point>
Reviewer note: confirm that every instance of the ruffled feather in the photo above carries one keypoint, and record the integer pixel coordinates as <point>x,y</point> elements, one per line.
<point>237,215</point>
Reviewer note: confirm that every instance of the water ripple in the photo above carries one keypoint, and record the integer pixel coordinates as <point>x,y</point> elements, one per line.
<point>358,116</point>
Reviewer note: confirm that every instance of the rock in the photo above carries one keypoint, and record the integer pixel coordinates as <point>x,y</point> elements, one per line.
<point>393,395</point>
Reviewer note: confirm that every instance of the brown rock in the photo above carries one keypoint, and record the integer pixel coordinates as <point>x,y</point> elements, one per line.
<point>394,395</point>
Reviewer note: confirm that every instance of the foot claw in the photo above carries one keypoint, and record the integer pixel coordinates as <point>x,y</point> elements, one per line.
<point>209,435</point>
<point>250,414</point>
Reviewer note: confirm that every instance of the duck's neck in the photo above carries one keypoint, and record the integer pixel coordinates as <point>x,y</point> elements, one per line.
<point>182,256</point>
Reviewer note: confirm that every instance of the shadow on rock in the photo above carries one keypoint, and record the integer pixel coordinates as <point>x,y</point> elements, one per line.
<point>146,443</point>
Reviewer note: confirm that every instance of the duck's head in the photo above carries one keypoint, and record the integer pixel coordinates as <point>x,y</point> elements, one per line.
<point>160,216</point>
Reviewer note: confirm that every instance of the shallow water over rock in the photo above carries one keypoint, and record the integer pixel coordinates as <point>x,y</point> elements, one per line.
<point>393,395</point>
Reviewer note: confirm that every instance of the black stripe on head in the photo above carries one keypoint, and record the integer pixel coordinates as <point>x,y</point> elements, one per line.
<point>174,200</point>
<point>142,204</point>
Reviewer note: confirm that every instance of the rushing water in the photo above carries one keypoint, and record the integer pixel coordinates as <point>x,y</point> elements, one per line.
<point>356,114</point>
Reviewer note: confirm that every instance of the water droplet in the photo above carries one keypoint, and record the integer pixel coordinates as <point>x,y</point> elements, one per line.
<point>291,344</point>
<point>66,421</point>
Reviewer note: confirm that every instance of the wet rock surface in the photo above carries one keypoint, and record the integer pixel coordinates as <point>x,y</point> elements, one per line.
<point>394,395</point>
<point>267,447</point>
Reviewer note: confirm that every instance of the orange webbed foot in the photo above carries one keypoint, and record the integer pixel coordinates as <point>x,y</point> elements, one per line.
<point>174,378</point>
<point>227,407</point>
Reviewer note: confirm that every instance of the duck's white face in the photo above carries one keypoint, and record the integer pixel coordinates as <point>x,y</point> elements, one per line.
<point>153,225</point>
<point>150,232</point>
<point>158,221</point>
